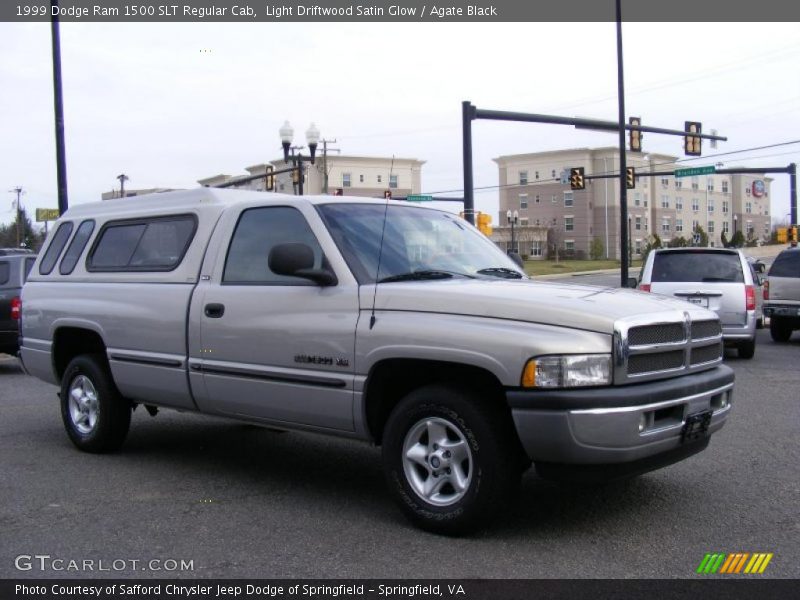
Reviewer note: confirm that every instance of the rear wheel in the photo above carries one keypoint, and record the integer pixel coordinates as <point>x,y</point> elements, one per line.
<point>450,459</point>
<point>95,415</point>
<point>746,349</point>
<point>780,329</point>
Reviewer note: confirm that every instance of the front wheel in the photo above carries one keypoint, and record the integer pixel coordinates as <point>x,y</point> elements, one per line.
<point>95,415</point>
<point>450,459</point>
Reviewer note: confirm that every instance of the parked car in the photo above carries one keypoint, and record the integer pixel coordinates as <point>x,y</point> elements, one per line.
<point>14,270</point>
<point>782,295</point>
<point>380,321</point>
<point>719,279</point>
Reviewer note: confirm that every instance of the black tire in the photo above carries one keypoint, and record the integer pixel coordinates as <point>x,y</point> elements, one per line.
<point>746,349</point>
<point>96,417</point>
<point>780,329</point>
<point>484,432</point>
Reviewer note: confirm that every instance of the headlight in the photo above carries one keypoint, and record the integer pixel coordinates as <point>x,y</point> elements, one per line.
<point>569,370</point>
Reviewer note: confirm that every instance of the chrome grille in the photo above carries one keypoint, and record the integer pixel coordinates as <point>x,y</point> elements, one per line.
<point>705,329</point>
<point>663,333</point>
<point>665,344</point>
<point>652,363</point>
<point>706,354</point>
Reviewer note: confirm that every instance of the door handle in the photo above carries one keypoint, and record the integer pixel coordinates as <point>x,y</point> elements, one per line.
<point>214,311</point>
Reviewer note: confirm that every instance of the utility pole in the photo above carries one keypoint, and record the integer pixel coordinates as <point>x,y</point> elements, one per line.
<point>623,188</point>
<point>325,163</point>
<point>58,108</point>
<point>18,191</point>
<point>122,179</point>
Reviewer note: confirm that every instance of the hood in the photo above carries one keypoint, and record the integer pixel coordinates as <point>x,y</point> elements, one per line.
<point>586,307</point>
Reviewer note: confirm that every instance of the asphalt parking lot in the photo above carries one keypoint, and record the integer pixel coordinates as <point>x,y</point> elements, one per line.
<point>241,501</point>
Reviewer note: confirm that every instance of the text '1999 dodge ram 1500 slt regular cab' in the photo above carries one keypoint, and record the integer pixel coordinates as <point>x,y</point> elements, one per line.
<point>376,320</point>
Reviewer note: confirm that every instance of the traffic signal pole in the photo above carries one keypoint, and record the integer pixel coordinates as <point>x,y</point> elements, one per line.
<point>623,158</point>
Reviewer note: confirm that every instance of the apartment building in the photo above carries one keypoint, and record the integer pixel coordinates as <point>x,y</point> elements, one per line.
<point>366,176</point>
<point>536,187</point>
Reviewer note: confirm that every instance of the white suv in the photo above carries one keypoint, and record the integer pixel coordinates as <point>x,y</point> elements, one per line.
<point>716,278</point>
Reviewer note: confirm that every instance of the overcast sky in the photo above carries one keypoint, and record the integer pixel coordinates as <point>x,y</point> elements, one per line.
<point>168,104</point>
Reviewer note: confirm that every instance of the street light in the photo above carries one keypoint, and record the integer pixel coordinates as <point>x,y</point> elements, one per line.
<point>286,133</point>
<point>512,220</point>
<point>735,218</point>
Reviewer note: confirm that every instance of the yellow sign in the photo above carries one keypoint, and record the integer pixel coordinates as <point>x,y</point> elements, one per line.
<point>46,214</point>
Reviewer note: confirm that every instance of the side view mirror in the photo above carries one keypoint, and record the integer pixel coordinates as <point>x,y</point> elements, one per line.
<point>760,267</point>
<point>632,282</point>
<point>517,259</point>
<point>297,260</point>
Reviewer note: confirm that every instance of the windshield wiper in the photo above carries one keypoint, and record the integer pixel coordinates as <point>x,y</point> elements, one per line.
<point>422,275</point>
<point>501,272</point>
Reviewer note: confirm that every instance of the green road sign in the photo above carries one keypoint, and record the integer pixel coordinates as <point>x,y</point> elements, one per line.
<point>695,171</point>
<point>46,214</point>
<point>419,198</point>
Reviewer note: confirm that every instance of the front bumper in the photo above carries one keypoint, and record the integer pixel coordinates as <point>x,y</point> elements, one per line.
<point>601,426</point>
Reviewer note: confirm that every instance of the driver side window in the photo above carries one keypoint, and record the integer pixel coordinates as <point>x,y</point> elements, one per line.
<point>256,233</point>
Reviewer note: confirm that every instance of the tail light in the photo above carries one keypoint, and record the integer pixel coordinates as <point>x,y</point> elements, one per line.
<point>644,287</point>
<point>750,297</point>
<point>766,290</point>
<point>16,308</point>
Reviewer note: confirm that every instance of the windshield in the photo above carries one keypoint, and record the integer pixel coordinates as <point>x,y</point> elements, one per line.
<point>694,265</point>
<point>418,244</point>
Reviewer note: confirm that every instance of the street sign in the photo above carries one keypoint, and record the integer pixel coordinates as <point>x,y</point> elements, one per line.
<point>419,198</point>
<point>695,171</point>
<point>46,214</point>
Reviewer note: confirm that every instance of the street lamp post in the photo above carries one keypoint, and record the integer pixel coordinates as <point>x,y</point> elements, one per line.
<point>512,220</point>
<point>630,242</point>
<point>312,139</point>
<point>735,218</point>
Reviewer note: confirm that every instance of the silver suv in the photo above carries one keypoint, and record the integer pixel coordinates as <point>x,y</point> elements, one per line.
<point>782,295</point>
<point>719,279</point>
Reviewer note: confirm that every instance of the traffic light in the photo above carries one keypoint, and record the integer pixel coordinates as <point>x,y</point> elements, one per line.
<point>794,234</point>
<point>485,224</point>
<point>387,194</point>
<point>692,145</point>
<point>576,180</point>
<point>630,178</point>
<point>782,235</point>
<point>269,181</point>
<point>634,135</point>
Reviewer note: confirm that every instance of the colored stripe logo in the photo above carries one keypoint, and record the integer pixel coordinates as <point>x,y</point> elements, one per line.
<point>735,564</point>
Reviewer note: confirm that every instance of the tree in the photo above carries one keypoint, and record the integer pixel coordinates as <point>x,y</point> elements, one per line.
<point>596,249</point>
<point>724,239</point>
<point>652,243</point>
<point>698,230</point>
<point>28,236</point>
<point>678,242</point>
<point>737,241</point>
<point>554,240</point>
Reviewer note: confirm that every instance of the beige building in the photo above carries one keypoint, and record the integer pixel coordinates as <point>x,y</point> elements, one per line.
<point>671,207</point>
<point>113,194</point>
<point>366,176</point>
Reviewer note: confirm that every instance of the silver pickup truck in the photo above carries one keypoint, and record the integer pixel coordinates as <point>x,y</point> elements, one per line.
<point>380,321</point>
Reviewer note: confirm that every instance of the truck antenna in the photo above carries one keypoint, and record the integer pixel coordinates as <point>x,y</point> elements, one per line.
<point>380,250</point>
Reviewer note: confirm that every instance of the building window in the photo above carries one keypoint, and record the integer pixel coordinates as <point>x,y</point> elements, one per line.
<point>569,246</point>
<point>664,181</point>
<point>523,178</point>
<point>644,202</point>
<point>537,199</point>
<point>346,180</point>
<point>523,200</point>
<point>678,184</point>
<point>750,229</point>
<point>554,199</point>
<point>553,173</point>
<point>710,185</point>
<point>678,224</point>
<point>568,198</point>
<point>638,224</point>
<point>724,187</point>
<point>711,227</point>
<point>710,205</point>
<point>637,199</point>
<point>678,203</point>
<point>638,246</point>
<point>748,207</point>
<point>664,201</point>
<point>393,181</point>
<point>536,174</point>
<point>725,207</point>
<point>380,178</point>
<point>665,225</point>
<point>695,185</point>
<point>747,191</point>
<point>695,225</point>
<point>569,223</point>
<point>360,179</point>
<point>536,248</point>
<point>726,227</point>
<point>695,204</point>
<point>523,222</point>
<point>538,222</point>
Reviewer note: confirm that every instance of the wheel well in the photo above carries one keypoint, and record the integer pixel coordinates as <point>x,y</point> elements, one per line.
<point>391,380</point>
<point>69,342</point>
